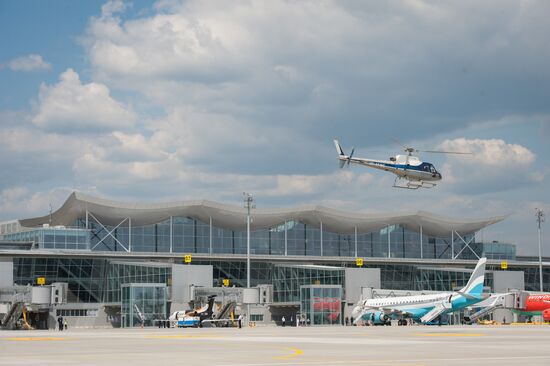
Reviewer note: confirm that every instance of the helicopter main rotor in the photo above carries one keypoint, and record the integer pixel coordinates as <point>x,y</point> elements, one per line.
<point>410,150</point>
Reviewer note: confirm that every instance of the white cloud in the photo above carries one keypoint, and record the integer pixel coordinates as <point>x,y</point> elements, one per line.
<point>247,96</point>
<point>20,202</point>
<point>493,166</point>
<point>493,152</point>
<point>31,62</point>
<point>72,106</point>
<point>112,7</point>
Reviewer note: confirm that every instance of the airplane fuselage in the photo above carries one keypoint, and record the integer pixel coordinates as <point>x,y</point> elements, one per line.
<point>536,305</point>
<point>416,306</point>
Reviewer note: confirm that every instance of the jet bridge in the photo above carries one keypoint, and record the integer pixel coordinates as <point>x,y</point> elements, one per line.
<point>515,300</point>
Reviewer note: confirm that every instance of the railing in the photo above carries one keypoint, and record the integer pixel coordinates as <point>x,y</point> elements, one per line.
<point>15,293</point>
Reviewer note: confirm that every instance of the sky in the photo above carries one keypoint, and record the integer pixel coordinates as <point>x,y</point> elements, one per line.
<point>169,100</point>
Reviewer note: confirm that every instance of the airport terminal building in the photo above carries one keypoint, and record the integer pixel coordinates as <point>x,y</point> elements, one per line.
<point>108,263</point>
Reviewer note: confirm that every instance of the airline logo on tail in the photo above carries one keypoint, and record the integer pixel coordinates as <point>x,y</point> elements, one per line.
<point>474,287</point>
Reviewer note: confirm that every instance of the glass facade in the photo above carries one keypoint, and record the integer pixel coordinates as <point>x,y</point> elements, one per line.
<point>532,278</point>
<point>322,305</point>
<point>100,280</point>
<point>89,280</point>
<point>288,279</point>
<point>143,303</point>
<point>53,238</point>
<point>496,250</point>
<point>293,238</point>
<point>122,273</point>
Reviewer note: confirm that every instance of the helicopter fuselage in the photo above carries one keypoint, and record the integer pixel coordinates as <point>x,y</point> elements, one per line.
<point>408,167</point>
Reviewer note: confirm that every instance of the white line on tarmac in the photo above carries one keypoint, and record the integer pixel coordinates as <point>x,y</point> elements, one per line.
<point>407,360</point>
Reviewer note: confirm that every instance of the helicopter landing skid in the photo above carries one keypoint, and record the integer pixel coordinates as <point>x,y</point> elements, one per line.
<point>404,183</point>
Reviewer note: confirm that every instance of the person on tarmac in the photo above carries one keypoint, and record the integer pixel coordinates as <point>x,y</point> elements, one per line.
<point>60,323</point>
<point>283,321</point>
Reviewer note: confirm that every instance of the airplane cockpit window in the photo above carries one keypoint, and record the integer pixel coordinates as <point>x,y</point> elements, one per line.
<point>432,169</point>
<point>426,168</point>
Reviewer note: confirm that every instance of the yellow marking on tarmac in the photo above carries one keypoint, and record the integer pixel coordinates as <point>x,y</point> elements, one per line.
<point>183,336</point>
<point>451,334</point>
<point>36,339</point>
<point>295,352</point>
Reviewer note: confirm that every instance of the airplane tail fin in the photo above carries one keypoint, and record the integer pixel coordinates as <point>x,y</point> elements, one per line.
<point>474,287</point>
<point>210,308</point>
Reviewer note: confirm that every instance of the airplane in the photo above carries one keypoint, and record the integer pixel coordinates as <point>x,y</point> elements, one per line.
<point>422,308</point>
<point>537,305</point>
<point>410,171</point>
<point>195,317</point>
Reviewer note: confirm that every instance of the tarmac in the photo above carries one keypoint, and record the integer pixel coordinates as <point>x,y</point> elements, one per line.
<point>264,346</point>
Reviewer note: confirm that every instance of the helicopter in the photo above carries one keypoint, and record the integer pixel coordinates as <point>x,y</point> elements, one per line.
<point>410,171</point>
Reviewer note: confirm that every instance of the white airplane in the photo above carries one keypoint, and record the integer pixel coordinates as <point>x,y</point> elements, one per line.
<point>422,308</point>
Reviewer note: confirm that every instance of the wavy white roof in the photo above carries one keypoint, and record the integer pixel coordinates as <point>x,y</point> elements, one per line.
<point>234,217</point>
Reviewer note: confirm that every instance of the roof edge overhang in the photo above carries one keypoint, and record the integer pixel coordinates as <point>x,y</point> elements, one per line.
<point>232,217</point>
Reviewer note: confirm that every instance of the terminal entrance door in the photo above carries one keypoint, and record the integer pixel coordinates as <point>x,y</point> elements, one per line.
<point>321,304</point>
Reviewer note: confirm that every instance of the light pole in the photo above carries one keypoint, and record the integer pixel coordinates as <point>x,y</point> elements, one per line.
<point>248,204</point>
<point>540,219</point>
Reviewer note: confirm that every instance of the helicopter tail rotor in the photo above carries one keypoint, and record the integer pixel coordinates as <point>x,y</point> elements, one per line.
<point>344,160</point>
<point>351,155</point>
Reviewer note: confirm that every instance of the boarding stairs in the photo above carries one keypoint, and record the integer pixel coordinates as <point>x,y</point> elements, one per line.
<point>481,313</point>
<point>227,310</point>
<point>514,300</point>
<point>9,321</point>
<point>439,308</point>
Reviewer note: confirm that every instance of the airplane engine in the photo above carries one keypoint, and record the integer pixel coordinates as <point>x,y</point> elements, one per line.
<point>377,317</point>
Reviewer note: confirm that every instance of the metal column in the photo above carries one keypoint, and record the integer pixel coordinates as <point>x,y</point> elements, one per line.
<point>171,234</point>
<point>210,235</point>
<point>389,242</point>
<point>129,234</point>
<point>286,240</point>
<point>321,229</point>
<point>452,244</point>
<point>421,243</point>
<point>355,241</point>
